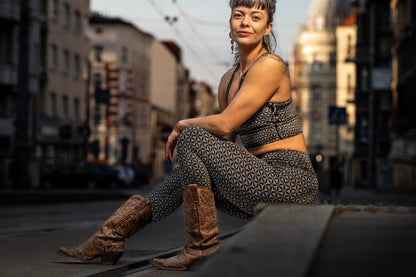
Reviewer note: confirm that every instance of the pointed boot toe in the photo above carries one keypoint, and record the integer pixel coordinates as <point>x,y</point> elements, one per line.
<point>170,264</point>
<point>108,241</point>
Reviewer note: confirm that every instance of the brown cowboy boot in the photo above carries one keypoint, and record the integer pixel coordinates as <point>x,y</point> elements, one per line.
<point>201,224</point>
<point>108,241</point>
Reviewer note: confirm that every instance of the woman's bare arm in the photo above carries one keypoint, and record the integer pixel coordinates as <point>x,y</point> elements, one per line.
<point>261,84</point>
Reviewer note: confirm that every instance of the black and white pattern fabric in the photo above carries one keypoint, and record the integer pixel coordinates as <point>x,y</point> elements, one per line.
<point>238,179</point>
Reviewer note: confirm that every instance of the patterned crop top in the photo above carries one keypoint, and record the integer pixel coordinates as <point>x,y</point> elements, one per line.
<point>272,122</point>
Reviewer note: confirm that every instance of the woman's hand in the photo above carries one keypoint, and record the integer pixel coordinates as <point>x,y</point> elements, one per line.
<point>171,143</point>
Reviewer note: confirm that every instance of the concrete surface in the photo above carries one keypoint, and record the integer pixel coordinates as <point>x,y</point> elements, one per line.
<point>281,241</point>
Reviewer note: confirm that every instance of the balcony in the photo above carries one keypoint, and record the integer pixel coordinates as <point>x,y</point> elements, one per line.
<point>9,10</point>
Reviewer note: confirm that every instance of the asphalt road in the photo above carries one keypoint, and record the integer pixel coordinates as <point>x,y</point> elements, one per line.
<point>30,235</point>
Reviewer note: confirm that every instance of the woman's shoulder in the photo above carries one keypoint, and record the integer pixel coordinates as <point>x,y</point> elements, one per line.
<point>229,72</point>
<point>225,79</point>
<point>273,61</point>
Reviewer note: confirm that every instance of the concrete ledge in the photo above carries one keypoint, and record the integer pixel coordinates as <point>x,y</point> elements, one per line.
<point>281,241</point>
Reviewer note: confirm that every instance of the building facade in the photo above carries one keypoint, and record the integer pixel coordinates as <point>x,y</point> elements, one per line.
<point>43,45</point>
<point>61,105</point>
<point>202,99</point>
<point>403,150</point>
<point>346,37</point>
<point>373,95</point>
<point>316,80</point>
<point>170,100</point>
<point>119,102</point>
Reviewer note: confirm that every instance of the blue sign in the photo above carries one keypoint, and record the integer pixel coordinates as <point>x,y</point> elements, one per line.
<point>337,115</point>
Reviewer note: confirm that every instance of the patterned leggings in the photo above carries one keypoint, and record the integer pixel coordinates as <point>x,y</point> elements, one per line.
<point>238,179</point>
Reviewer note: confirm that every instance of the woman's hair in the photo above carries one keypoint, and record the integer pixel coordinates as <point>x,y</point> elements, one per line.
<point>267,5</point>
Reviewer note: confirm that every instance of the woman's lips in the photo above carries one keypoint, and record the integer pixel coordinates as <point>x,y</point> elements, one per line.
<point>243,33</point>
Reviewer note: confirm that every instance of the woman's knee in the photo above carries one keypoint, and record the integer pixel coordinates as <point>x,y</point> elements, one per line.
<point>190,136</point>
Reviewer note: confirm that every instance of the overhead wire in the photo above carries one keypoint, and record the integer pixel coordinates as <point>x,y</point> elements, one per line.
<point>191,25</point>
<point>188,45</point>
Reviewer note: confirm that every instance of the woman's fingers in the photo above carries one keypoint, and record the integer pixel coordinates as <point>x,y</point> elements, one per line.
<point>170,145</point>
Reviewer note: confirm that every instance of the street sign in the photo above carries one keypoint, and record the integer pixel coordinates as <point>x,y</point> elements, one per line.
<point>337,115</point>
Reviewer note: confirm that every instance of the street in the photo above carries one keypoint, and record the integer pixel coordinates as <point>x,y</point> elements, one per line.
<point>359,233</point>
<point>30,235</point>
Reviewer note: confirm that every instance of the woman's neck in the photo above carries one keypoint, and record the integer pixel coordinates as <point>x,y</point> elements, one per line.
<point>248,56</point>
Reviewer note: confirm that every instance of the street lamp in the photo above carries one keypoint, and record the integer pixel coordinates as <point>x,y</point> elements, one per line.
<point>171,20</point>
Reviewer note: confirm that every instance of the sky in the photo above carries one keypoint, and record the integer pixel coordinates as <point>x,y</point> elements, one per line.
<point>200,28</point>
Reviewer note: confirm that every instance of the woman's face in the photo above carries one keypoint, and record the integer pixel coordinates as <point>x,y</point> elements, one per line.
<point>249,25</point>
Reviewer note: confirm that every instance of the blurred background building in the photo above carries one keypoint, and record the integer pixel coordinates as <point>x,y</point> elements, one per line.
<point>119,101</point>
<point>403,149</point>
<point>352,75</point>
<point>44,52</point>
<point>82,94</point>
<point>169,98</point>
<point>315,76</point>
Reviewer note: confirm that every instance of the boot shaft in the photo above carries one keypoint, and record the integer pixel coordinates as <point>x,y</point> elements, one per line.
<point>201,219</point>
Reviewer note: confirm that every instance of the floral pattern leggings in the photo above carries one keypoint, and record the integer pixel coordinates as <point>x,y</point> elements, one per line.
<point>238,179</point>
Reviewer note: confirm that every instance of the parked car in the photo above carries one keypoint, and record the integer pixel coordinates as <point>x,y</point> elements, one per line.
<point>81,175</point>
<point>125,175</point>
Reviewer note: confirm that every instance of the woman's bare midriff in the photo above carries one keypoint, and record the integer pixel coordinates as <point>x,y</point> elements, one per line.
<point>296,143</point>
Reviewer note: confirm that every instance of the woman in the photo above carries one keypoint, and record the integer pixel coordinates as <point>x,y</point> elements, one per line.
<point>213,172</point>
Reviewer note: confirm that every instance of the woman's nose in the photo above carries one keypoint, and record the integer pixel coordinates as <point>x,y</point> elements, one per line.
<point>244,21</point>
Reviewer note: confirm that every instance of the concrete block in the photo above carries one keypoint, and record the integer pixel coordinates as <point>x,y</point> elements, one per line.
<point>282,240</point>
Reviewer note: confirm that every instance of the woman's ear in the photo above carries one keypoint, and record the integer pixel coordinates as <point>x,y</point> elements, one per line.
<point>269,28</point>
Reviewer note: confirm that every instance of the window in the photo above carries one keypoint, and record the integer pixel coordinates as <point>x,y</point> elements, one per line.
<point>6,41</point>
<point>65,62</point>
<point>54,56</point>
<point>85,69</point>
<point>76,66</point>
<point>349,84</point>
<point>97,81</point>
<point>77,22</point>
<point>86,26</point>
<point>349,47</point>
<point>317,62</point>
<point>316,129</point>
<point>76,109</point>
<point>65,15</point>
<point>5,106</point>
<point>124,54</point>
<point>333,60</point>
<point>320,23</point>
<point>64,106</point>
<point>53,105</point>
<point>98,50</point>
<point>123,82</point>
<point>53,9</point>
<point>316,94</point>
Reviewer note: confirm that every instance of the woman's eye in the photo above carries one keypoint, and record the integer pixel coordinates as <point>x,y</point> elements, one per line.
<point>237,15</point>
<point>256,18</point>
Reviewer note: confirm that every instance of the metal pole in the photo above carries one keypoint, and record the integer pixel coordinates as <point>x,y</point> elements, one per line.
<point>371,146</point>
<point>22,118</point>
